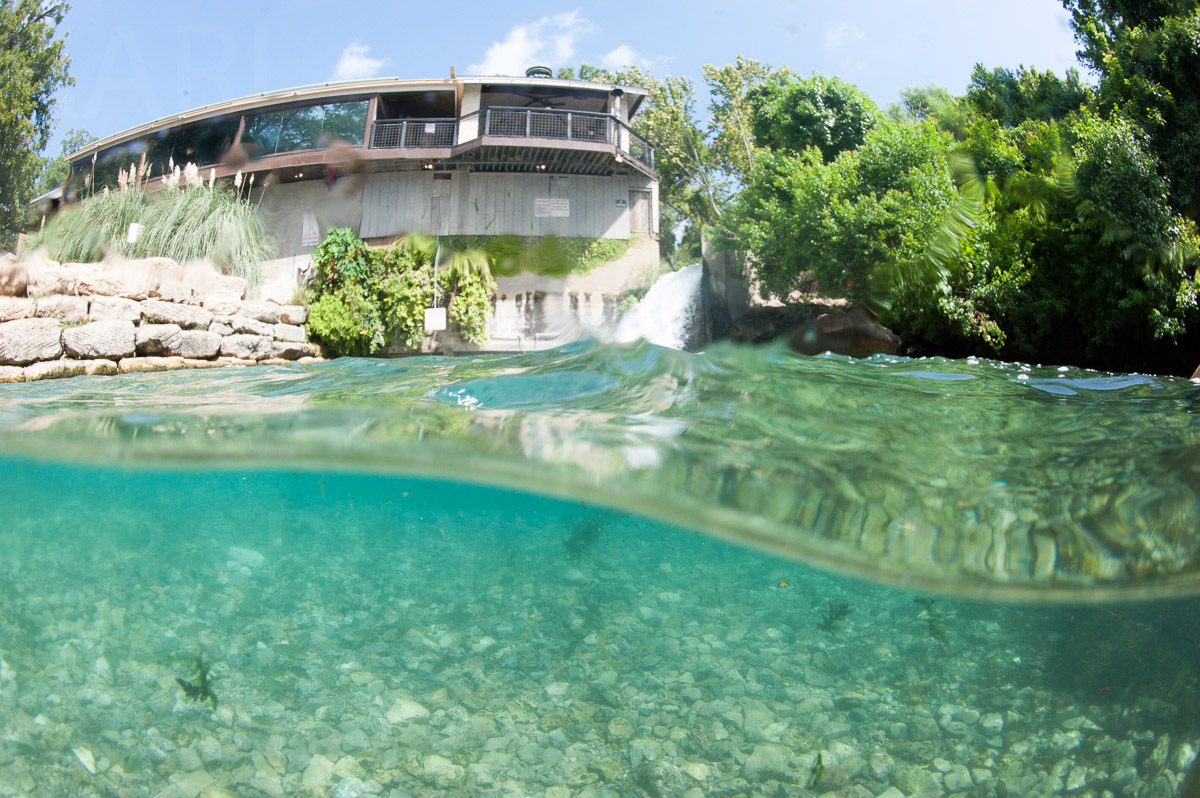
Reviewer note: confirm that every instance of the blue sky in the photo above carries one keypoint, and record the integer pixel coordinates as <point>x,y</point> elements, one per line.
<point>137,60</point>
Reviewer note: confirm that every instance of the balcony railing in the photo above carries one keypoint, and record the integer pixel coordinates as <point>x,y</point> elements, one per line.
<point>549,123</point>
<point>394,133</point>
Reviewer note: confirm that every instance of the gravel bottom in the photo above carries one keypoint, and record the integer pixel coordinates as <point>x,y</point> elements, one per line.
<point>541,649</point>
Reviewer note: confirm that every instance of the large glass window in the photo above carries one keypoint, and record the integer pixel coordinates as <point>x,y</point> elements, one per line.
<point>306,128</point>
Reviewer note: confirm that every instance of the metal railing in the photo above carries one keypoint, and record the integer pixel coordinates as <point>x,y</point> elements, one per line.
<point>397,133</point>
<point>549,123</point>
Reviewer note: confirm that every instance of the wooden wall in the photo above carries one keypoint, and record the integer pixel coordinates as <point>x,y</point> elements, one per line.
<point>486,203</point>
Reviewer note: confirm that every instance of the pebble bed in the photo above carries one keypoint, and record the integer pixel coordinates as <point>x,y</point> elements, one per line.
<point>523,650</point>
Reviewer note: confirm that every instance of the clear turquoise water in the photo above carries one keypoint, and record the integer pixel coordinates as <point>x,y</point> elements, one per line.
<point>591,572</point>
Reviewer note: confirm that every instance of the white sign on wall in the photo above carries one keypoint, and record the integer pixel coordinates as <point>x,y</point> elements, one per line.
<point>551,206</point>
<point>435,319</point>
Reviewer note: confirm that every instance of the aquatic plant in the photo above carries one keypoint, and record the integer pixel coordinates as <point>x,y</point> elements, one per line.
<point>201,690</point>
<point>835,612</point>
<point>933,618</point>
<point>585,531</point>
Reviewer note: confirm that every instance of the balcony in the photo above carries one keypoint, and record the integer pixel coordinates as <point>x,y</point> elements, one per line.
<point>413,133</point>
<point>582,126</point>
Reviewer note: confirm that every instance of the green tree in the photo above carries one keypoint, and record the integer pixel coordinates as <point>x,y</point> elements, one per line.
<point>33,66</point>
<point>918,103</point>
<point>731,127</point>
<point>793,114</point>
<point>56,170</point>
<point>1147,53</point>
<point>1013,97</point>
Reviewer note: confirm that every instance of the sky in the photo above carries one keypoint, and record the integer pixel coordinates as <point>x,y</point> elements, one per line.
<point>136,60</point>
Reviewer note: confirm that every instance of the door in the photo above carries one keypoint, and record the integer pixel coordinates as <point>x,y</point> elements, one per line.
<point>639,211</point>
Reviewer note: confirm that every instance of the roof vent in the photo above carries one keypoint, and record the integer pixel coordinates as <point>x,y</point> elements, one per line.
<point>539,72</point>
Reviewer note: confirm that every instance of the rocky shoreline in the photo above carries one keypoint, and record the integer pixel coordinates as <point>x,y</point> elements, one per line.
<point>152,315</point>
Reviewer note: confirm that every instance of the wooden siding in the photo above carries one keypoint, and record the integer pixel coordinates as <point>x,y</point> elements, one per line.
<point>495,204</point>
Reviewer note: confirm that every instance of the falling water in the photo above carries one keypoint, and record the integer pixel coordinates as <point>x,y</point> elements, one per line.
<point>668,314</point>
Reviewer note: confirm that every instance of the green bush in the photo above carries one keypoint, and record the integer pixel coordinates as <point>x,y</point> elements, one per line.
<point>361,298</point>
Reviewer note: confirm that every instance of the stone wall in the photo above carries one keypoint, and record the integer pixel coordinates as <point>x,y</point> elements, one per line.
<point>141,316</point>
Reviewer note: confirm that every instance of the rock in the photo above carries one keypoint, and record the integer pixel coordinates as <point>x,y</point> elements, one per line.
<point>64,308</point>
<point>293,314</point>
<point>291,350</point>
<point>229,285</point>
<point>246,347</point>
<point>86,759</point>
<point>288,332</point>
<point>764,762</point>
<point>958,779</point>
<point>644,750</point>
<point>221,305</point>
<point>247,557</point>
<point>262,311</point>
<point>12,374</point>
<point>991,724</point>
<point>102,308</point>
<point>890,792</point>
<point>106,339</point>
<point>14,278</point>
<point>317,774</point>
<point>193,783</point>
<point>28,340</point>
<point>220,328</point>
<point>12,308</point>
<point>440,772</point>
<point>697,770</point>
<point>619,729</point>
<point>137,364</point>
<point>199,344</point>
<point>188,317</point>
<point>853,334</point>
<point>249,326</point>
<point>55,369</point>
<point>1122,778</point>
<point>151,339</point>
<point>216,791</point>
<point>405,710</point>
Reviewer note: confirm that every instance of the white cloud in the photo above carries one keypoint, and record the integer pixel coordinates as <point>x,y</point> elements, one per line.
<point>623,56</point>
<point>356,63</point>
<point>550,41</point>
<point>842,33</point>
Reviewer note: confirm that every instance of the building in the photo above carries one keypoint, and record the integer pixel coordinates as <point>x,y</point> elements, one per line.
<point>475,156</point>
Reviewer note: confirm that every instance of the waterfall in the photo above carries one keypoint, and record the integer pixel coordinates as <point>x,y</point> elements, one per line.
<point>668,314</point>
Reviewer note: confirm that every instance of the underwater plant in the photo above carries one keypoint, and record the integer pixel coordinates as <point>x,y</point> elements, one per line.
<point>202,689</point>
<point>933,618</point>
<point>834,612</point>
<point>585,531</point>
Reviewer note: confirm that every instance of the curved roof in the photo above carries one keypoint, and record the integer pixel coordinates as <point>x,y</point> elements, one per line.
<point>348,88</point>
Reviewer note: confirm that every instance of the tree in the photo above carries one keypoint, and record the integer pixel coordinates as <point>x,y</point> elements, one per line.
<point>1013,97</point>
<point>793,114</point>
<point>732,123</point>
<point>33,66</point>
<point>918,103</point>
<point>1147,53</point>
<point>56,170</point>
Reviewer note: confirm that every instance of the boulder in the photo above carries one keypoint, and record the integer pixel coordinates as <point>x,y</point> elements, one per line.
<point>291,350</point>
<point>853,334</point>
<point>293,314</point>
<point>221,305</point>
<point>64,308</point>
<point>14,278</point>
<point>228,285</point>
<point>50,278</point>
<point>268,312</point>
<point>12,374</point>
<point>12,308</point>
<point>189,317</point>
<point>196,344</point>
<point>220,328</point>
<point>112,339</point>
<point>133,364</point>
<point>98,279</point>
<point>249,326</point>
<point>151,339</point>
<point>54,369</point>
<point>114,307</point>
<point>100,368</point>
<point>246,347</point>
<point>25,341</point>
<point>288,332</point>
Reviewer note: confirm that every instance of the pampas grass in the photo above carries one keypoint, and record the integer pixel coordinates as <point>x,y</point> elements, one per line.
<point>196,220</point>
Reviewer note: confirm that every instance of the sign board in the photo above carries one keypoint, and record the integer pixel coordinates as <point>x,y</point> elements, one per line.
<point>310,232</point>
<point>430,128</point>
<point>135,232</point>
<point>622,204</point>
<point>435,319</point>
<point>552,206</point>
